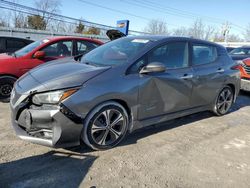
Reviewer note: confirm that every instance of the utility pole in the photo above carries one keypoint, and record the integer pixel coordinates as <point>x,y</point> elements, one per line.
<point>225,31</point>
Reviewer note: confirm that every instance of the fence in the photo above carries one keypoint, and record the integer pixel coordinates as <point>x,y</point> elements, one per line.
<point>38,34</point>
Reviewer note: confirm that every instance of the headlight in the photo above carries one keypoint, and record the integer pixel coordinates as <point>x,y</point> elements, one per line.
<point>53,97</point>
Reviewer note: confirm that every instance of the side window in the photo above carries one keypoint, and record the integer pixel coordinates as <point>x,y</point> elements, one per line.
<point>203,54</point>
<point>62,48</point>
<point>136,67</point>
<point>84,46</point>
<point>14,44</point>
<point>173,55</point>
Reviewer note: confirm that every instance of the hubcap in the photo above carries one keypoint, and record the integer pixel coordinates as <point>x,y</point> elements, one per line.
<point>5,90</point>
<point>108,127</point>
<point>224,101</point>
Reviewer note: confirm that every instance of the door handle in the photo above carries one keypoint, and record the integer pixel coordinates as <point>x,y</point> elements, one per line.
<point>187,76</point>
<point>220,70</point>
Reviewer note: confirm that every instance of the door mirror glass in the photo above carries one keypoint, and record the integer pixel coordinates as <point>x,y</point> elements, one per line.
<point>153,67</point>
<point>39,55</point>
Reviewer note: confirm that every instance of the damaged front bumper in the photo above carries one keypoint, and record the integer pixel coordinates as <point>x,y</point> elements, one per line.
<point>51,125</point>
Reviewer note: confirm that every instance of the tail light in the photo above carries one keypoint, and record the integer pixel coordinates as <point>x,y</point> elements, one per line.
<point>238,66</point>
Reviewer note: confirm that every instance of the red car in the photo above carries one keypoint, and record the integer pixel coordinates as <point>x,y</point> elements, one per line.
<point>14,65</point>
<point>245,74</point>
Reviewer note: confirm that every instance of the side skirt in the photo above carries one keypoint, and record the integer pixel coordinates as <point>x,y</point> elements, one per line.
<point>166,117</point>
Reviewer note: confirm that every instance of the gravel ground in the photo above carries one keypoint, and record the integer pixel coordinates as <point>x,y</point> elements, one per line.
<point>195,151</point>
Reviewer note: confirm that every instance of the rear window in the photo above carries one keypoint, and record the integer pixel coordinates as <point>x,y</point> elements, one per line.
<point>203,54</point>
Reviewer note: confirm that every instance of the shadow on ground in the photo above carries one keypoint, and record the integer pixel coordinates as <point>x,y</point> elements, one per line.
<point>53,169</point>
<point>242,101</point>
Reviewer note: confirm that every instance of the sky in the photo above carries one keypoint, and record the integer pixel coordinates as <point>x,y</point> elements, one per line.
<point>175,13</point>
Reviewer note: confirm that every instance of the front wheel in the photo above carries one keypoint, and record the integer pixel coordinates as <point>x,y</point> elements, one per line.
<point>224,101</point>
<point>6,86</point>
<point>105,126</point>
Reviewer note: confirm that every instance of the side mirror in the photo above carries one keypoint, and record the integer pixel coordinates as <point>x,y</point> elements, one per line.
<point>153,67</point>
<point>39,55</point>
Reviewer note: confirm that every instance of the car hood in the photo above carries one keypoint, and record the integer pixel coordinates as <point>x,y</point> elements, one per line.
<point>57,75</point>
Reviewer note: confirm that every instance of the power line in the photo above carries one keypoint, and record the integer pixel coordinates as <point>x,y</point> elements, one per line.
<point>114,10</point>
<point>183,13</point>
<point>33,11</point>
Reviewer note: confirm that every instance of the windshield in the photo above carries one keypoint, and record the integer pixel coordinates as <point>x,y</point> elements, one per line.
<point>30,47</point>
<point>116,52</point>
<point>240,51</point>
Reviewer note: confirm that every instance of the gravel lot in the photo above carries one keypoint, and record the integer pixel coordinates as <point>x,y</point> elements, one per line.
<point>196,151</point>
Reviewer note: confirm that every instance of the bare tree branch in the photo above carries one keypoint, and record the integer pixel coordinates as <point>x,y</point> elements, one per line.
<point>157,26</point>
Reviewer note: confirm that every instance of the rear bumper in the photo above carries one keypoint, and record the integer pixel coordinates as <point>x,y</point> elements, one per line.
<point>48,127</point>
<point>245,84</point>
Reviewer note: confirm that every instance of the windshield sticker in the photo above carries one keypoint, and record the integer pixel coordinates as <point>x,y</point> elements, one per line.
<point>45,40</point>
<point>140,41</point>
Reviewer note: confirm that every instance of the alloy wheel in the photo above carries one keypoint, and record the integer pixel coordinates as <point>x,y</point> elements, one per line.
<point>224,101</point>
<point>108,127</point>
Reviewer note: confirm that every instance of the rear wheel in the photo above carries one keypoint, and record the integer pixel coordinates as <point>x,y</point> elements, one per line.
<point>6,86</point>
<point>105,126</point>
<point>224,101</point>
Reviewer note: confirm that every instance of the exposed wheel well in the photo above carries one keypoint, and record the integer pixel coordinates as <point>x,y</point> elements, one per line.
<point>8,75</point>
<point>233,88</point>
<point>125,105</point>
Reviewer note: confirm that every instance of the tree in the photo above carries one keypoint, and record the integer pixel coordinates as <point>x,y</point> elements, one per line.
<point>93,31</point>
<point>79,28</point>
<point>247,33</point>
<point>2,21</point>
<point>200,30</point>
<point>197,30</point>
<point>20,21</point>
<point>36,22</point>
<point>158,27</point>
<point>182,31</point>
<point>47,7</point>
<point>233,38</point>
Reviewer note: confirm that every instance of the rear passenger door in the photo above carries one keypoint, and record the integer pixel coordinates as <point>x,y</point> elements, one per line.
<point>208,74</point>
<point>82,47</point>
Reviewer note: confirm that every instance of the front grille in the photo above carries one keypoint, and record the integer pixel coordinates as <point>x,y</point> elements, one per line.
<point>247,68</point>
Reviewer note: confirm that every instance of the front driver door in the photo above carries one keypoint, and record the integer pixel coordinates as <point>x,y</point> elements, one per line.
<point>52,51</point>
<point>170,91</point>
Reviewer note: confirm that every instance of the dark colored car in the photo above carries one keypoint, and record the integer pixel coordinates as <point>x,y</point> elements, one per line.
<point>229,49</point>
<point>12,44</point>
<point>121,86</point>
<point>240,53</point>
<point>14,65</point>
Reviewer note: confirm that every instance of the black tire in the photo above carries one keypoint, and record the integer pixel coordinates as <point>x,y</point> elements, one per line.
<point>100,135</point>
<point>223,101</point>
<point>6,86</point>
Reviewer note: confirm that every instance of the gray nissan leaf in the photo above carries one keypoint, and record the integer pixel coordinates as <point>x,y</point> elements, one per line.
<point>124,85</point>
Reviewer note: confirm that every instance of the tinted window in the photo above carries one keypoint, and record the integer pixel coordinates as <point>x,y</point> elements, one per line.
<point>14,44</point>
<point>172,55</point>
<point>84,46</point>
<point>240,51</point>
<point>62,48</point>
<point>203,54</point>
